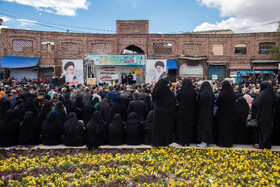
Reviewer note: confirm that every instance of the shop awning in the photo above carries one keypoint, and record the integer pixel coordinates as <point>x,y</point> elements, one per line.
<point>191,58</point>
<point>248,67</point>
<point>265,68</point>
<point>171,64</point>
<point>265,61</point>
<point>19,62</point>
<point>217,62</point>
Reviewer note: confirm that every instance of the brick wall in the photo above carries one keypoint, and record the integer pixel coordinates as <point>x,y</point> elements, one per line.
<point>135,33</point>
<point>132,26</point>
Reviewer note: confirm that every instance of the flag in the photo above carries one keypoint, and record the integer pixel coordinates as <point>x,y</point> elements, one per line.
<point>251,91</point>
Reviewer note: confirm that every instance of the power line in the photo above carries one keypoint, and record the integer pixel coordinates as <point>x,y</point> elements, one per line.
<point>34,22</point>
<point>254,26</point>
<point>81,29</point>
<point>49,24</point>
<point>245,27</point>
<point>63,25</point>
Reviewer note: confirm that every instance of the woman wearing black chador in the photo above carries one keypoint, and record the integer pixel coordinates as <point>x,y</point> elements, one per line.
<point>185,116</point>
<point>164,114</point>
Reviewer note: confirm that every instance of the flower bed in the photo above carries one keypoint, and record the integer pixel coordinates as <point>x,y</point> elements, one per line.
<point>112,167</point>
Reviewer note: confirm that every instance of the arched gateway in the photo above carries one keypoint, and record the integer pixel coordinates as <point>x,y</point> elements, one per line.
<point>132,50</point>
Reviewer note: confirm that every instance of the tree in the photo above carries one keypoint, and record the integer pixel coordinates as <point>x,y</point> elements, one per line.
<point>276,49</point>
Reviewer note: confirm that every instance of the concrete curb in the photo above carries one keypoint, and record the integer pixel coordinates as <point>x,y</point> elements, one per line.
<point>173,145</point>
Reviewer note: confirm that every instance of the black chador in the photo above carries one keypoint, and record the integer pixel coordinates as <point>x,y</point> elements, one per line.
<point>243,135</point>
<point>164,114</point>
<point>9,130</point>
<point>225,117</point>
<point>61,113</point>
<point>119,107</point>
<point>185,116</point>
<point>73,131</point>
<point>88,109</point>
<point>148,128</point>
<point>204,106</point>
<point>52,129</point>
<point>28,106</point>
<point>133,129</point>
<point>43,115</point>
<point>96,131</point>
<point>105,107</point>
<point>276,121</point>
<point>28,132</point>
<point>116,131</point>
<point>262,108</point>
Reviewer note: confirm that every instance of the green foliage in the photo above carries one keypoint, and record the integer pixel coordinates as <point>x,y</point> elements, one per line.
<point>276,49</point>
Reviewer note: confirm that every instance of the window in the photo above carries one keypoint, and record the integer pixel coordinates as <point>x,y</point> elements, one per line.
<point>218,50</point>
<point>265,48</point>
<point>101,48</point>
<point>162,48</point>
<point>192,49</point>
<point>240,49</point>
<point>48,47</point>
<point>22,45</point>
<point>71,48</point>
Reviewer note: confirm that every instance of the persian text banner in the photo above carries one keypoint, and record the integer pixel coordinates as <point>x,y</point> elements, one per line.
<point>115,59</point>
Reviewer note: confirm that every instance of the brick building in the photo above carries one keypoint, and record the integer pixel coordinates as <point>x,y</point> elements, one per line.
<point>215,52</point>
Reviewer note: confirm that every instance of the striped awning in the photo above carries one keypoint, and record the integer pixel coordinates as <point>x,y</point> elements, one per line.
<point>238,67</point>
<point>265,68</point>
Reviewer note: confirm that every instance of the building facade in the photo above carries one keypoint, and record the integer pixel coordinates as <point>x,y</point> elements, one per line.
<point>217,52</point>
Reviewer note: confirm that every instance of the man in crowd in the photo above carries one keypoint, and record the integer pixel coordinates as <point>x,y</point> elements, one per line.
<point>137,106</point>
<point>38,101</point>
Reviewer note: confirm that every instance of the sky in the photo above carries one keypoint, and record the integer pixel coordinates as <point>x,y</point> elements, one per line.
<point>165,16</point>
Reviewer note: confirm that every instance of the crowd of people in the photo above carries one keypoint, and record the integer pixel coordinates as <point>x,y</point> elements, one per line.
<point>49,113</point>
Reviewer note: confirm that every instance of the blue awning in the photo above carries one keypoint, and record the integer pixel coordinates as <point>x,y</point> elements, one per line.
<point>171,64</point>
<point>19,62</point>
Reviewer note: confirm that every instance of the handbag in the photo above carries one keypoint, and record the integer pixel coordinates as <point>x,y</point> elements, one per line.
<point>252,123</point>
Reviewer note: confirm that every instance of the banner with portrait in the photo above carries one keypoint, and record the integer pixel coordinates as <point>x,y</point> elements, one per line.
<point>155,70</point>
<point>72,71</point>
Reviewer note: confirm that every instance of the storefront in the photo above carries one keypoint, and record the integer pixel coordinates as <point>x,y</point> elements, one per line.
<point>233,69</point>
<point>191,70</point>
<point>20,67</point>
<point>216,70</point>
<point>46,72</point>
<point>269,65</point>
<point>104,66</point>
<point>242,74</point>
<point>192,67</point>
<point>172,69</point>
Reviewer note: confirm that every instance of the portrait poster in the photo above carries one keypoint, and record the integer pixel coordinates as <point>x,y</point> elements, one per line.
<point>72,71</point>
<point>155,70</point>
